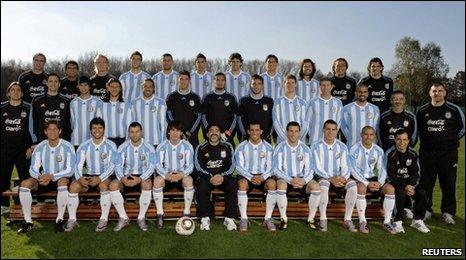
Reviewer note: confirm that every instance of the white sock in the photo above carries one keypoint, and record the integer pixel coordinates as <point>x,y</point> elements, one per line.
<point>105,204</point>
<point>361,207</point>
<point>188,199</point>
<point>25,198</point>
<point>323,201</point>
<point>350,199</point>
<point>243,203</point>
<point>62,201</point>
<point>282,202</point>
<point>118,203</point>
<point>388,205</point>
<point>158,198</point>
<point>270,201</point>
<point>144,202</point>
<point>313,203</point>
<point>73,203</point>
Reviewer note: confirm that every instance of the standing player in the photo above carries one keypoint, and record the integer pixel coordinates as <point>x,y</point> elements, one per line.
<point>184,106</point>
<point>33,82</point>
<point>98,155</point>
<point>289,108</point>
<point>256,107</point>
<point>368,168</point>
<point>272,79</point>
<point>441,125</point>
<point>308,87</point>
<point>50,106</point>
<point>254,165</point>
<point>380,86</point>
<point>220,108</point>
<point>69,84</point>
<point>83,109</point>
<point>116,113</point>
<point>174,164</point>
<point>215,164</point>
<point>56,158</point>
<point>201,79</point>
<point>357,115</point>
<point>100,78</point>
<point>344,85</point>
<point>16,140</point>
<point>332,170</point>
<point>403,173</point>
<point>131,81</point>
<point>165,81</point>
<point>237,80</point>
<point>150,111</point>
<point>134,168</point>
<point>293,167</point>
<point>321,109</point>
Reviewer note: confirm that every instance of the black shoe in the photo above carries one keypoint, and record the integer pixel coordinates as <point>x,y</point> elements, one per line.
<point>59,226</point>
<point>283,224</point>
<point>25,227</point>
<point>159,221</point>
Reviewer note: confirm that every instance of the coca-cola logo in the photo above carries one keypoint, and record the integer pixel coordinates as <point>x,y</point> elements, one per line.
<point>52,113</point>
<point>100,91</point>
<point>13,121</point>
<point>36,88</point>
<point>378,93</point>
<point>340,92</point>
<point>436,122</point>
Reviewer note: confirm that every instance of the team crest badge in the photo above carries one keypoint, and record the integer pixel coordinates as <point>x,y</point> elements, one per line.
<point>62,105</point>
<point>104,155</point>
<point>206,83</point>
<point>27,82</point>
<point>337,155</point>
<point>372,160</point>
<point>297,108</point>
<point>180,156</point>
<point>262,155</point>
<point>265,107</point>
<point>348,86</point>
<point>334,109</point>
<point>223,154</point>
<point>23,114</point>
<point>191,103</point>
<point>43,82</point>
<point>370,115</point>
<point>406,123</point>
<point>242,84</point>
<point>409,162</point>
<point>142,157</point>
<point>300,157</point>
<point>120,110</point>
<point>153,108</point>
<point>227,103</point>
<point>59,158</point>
<point>277,84</point>
<point>387,86</point>
<point>448,115</point>
<point>172,83</point>
<point>90,108</point>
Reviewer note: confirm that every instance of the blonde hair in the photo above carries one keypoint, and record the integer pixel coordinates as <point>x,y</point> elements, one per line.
<point>100,55</point>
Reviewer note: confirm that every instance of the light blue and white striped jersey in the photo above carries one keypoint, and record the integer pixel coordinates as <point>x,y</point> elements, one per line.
<point>131,84</point>
<point>308,90</point>
<point>291,162</point>
<point>286,110</point>
<point>99,159</point>
<point>330,160</point>
<point>165,83</point>
<point>59,160</point>
<point>202,84</point>
<point>320,110</point>
<point>238,85</point>
<point>135,161</point>
<point>355,117</point>
<point>82,112</point>
<point>117,116</point>
<point>273,85</point>
<point>254,159</point>
<point>367,163</point>
<point>174,158</point>
<point>151,114</point>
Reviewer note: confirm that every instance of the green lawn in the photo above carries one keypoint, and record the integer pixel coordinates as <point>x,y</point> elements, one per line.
<point>297,242</point>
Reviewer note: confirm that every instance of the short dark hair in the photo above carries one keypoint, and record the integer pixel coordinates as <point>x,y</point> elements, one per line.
<point>271,56</point>
<point>175,125</point>
<point>325,79</point>
<point>53,74</point>
<point>361,85</point>
<point>52,122</point>
<point>235,55</point>
<point>167,55</point>
<point>255,122</point>
<point>301,71</point>
<point>150,80</point>
<point>135,124</point>
<point>96,121</point>
<point>259,77</point>
<point>220,74</point>
<point>186,73</point>
<point>136,53</point>
<point>368,127</point>
<point>339,59</point>
<point>107,95</point>
<point>401,131</point>
<point>212,125</point>
<point>292,123</point>
<point>375,59</point>
<point>291,76</point>
<point>200,56</point>
<point>439,84</point>
<point>331,122</point>
<point>71,62</point>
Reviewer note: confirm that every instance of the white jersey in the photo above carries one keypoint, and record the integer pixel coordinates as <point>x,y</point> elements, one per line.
<point>201,84</point>
<point>99,159</point>
<point>238,85</point>
<point>367,163</point>
<point>330,160</point>
<point>273,85</point>
<point>151,114</point>
<point>320,110</point>
<point>355,117</point>
<point>131,84</point>
<point>308,90</point>
<point>135,161</point>
<point>165,83</point>
<point>291,162</point>
<point>82,112</point>
<point>253,159</point>
<point>59,160</point>
<point>117,116</point>
<point>286,110</point>
<point>174,158</point>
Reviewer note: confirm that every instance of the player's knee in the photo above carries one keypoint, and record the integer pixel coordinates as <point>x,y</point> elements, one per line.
<point>159,182</point>
<point>114,185</point>
<point>389,189</point>
<point>187,181</point>
<point>362,189</point>
<point>28,183</point>
<point>271,184</point>
<point>63,182</point>
<point>75,187</point>
<point>103,186</point>
<point>324,184</point>
<point>282,185</point>
<point>146,185</point>
<point>243,184</point>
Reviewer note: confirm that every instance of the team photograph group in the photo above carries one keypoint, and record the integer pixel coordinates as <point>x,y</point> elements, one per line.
<point>235,130</point>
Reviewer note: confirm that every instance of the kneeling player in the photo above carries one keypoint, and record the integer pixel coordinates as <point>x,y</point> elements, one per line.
<point>254,163</point>
<point>97,153</point>
<point>293,166</point>
<point>368,168</point>
<point>173,163</point>
<point>57,159</point>
<point>331,165</point>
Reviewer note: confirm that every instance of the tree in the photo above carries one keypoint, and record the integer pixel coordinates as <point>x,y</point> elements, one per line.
<point>455,89</point>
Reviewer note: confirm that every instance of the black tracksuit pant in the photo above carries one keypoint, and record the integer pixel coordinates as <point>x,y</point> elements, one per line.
<point>419,206</point>
<point>9,158</point>
<point>204,203</point>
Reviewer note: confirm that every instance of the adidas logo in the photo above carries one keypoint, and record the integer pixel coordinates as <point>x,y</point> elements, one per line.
<point>43,105</point>
<point>5,114</point>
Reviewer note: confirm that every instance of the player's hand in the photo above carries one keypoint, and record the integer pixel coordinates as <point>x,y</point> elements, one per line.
<point>126,181</point>
<point>29,153</point>
<point>409,190</point>
<point>335,182</point>
<point>84,181</point>
<point>45,179</point>
<point>257,180</point>
<point>223,137</point>
<point>136,180</point>
<point>216,180</point>
<point>93,181</point>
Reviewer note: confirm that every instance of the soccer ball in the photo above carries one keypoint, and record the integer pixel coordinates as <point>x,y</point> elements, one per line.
<point>185,226</point>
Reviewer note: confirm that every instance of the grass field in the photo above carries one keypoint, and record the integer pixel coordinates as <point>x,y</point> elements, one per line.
<point>297,242</point>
